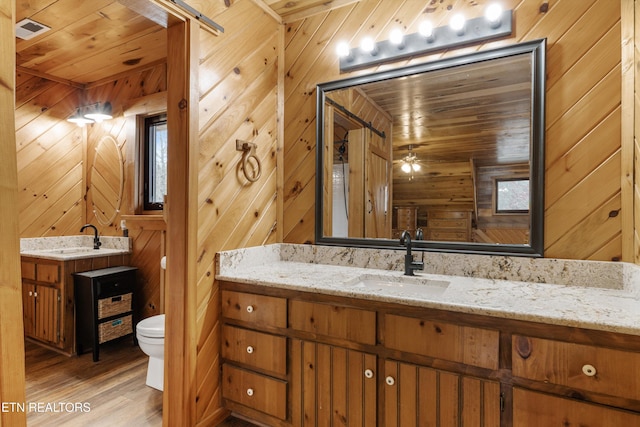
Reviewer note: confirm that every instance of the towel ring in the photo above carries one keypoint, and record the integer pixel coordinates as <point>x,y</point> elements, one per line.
<point>249,156</point>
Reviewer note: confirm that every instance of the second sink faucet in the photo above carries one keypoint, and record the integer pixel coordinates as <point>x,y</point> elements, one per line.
<point>96,239</point>
<point>409,264</point>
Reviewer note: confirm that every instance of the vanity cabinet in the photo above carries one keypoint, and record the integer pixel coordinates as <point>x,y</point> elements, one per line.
<point>41,301</point>
<point>327,360</point>
<point>48,297</point>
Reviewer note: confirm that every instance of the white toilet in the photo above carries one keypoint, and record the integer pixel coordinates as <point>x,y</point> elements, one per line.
<point>150,334</point>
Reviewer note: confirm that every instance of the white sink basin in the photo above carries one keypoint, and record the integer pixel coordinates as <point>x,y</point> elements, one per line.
<point>406,284</point>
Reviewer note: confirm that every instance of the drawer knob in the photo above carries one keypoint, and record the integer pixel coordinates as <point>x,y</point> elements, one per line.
<point>249,309</point>
<point>249,392</point>
<point>368,373</point>
<point>249,349</point>
<point>390,380</point>
<point>589,370</point>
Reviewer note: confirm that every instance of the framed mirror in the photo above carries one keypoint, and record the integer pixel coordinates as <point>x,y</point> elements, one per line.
<point>107,180</point>
<point>451,149</point>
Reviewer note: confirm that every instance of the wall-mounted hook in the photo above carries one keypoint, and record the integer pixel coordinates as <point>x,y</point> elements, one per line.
<point>249,152</point>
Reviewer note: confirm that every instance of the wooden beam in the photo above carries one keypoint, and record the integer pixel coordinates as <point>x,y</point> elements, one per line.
<point>182,189</point>
<point>50,77</point>
<point>324,7</point>
<point>12,379</point>
<point>627,144</point>
<point>262,5</point>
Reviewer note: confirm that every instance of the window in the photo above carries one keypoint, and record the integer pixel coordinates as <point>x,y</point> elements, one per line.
<point>512,195</point>
<point>155,161</point>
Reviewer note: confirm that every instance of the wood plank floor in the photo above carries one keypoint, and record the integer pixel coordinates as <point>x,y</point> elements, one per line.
<point>113,389</point>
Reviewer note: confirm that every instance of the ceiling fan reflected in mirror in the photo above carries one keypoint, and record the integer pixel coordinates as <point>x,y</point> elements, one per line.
<point>410,163</point>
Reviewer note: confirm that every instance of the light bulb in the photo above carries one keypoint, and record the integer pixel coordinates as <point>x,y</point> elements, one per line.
<point>457,23</point>
<point>406,167</point>
<point>342,49</point>
<point>426,29</point>
<point>415,166</point>
<point>396,37</point>
<point>493,14</point>
<point>368,45</point>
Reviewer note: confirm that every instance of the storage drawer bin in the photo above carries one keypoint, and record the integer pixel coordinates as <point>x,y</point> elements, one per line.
<point>112,306</point>
<point>115,328</point>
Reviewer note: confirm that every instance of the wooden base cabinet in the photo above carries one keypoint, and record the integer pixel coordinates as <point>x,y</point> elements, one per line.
<point>304,360</point>
<point>420,396</point>
<point>41,308</point>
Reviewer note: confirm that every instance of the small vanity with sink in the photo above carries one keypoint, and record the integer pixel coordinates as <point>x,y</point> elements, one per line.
<point>48,265</point>
<point>342,332</point>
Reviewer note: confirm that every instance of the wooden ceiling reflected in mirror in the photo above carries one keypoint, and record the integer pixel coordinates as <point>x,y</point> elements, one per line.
<point>469,122</point>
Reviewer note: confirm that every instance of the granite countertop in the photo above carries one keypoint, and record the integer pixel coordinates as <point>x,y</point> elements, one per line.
<point>66,248</point>
<point>587,294</point>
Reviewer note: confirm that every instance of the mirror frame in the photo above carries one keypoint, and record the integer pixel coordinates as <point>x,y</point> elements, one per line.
<point>535,248</point>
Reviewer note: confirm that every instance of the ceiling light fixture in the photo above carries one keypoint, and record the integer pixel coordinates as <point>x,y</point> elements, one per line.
<point>495,24</point>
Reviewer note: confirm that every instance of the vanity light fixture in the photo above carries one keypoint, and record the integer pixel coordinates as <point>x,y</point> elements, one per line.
<point>94,113</point>
<point>496,23</point>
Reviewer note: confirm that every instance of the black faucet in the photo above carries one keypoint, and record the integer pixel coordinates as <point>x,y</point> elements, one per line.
<point>409,264</point>
<point>96,239</point>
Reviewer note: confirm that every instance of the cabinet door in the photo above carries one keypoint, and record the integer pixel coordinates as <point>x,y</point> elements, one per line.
<point>47,325</point>
<point>29,309</point>
<point>332,386</point>
<point>419,396</point>
<point>537,409</point>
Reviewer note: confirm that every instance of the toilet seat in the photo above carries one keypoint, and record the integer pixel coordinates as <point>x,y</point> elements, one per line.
<point>151,327</point>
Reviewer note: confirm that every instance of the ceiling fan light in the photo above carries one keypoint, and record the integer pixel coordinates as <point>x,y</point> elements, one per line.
<point>415,167</point>
<point>406,167</point>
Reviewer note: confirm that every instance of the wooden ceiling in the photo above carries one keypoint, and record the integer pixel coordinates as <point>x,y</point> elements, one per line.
<point>480,111</point>
<point>91,41</point>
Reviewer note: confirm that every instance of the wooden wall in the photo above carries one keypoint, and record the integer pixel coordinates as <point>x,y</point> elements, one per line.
<point>12,377</point>
<point>583,117</point>
<point>238,78</point>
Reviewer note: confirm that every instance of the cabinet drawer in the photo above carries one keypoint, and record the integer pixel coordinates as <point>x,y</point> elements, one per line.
<point>449,223</point>
<point>462,344</point>
<point>537,409</point>
<point>112,329</point>
<point>113,285</point>
<point>48,273</point>
<point>256,349</point>
<point>448,235</point>
<point>114,305</point>
<point>259,309</point>
<point>347,323</point>
<point>256,391</point>
<point>586,367</point>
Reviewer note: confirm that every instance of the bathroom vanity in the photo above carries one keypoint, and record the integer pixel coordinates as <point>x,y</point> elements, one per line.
<point>47,266</point>
<point>335,336</point>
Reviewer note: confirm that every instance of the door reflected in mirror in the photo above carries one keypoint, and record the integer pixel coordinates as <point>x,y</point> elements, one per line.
<point>452,147</point>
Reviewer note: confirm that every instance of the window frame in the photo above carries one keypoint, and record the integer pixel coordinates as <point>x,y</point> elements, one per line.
<point>496,193</point>
<point>145,123</point>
